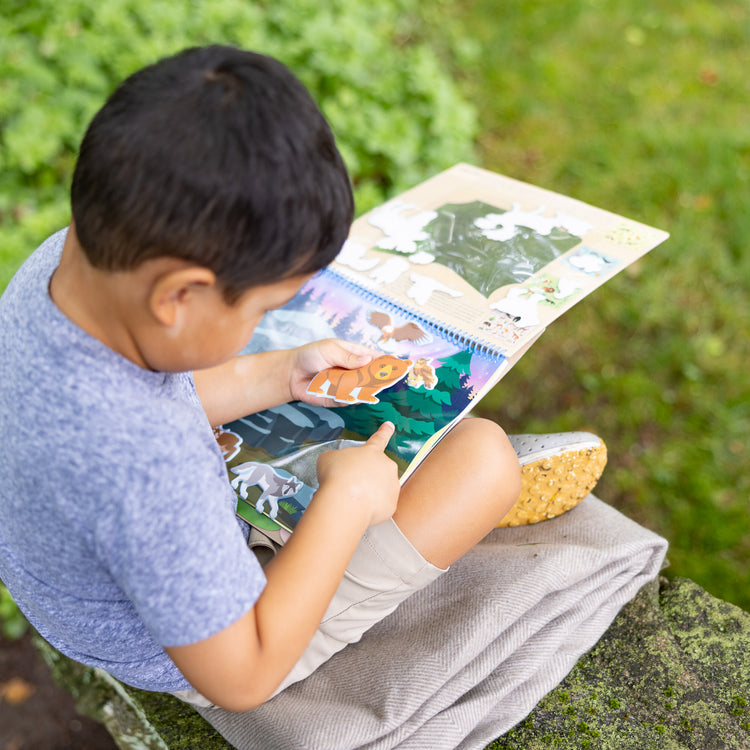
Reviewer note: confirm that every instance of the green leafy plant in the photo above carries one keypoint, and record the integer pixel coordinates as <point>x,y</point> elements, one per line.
<point>13,624</point>
<point>398,116</point>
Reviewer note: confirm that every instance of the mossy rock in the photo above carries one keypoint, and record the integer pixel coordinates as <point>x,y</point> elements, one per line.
<point>672,673</point>
<point>136,719</point>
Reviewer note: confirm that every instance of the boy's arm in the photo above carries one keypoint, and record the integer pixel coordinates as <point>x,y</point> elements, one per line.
<point>242,665</point>
<point>243,385</point>
<point>252,382</point>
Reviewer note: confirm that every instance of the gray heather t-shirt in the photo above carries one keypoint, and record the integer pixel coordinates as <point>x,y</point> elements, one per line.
<point>117,527</point>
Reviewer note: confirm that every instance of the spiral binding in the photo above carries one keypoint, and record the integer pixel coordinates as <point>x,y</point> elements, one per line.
<point>451,334</point>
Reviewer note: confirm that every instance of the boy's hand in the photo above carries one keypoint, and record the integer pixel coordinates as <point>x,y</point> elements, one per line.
<point>362,478</point>
<point>309,360</point>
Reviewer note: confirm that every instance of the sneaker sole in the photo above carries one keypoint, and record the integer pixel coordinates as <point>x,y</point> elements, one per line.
<point>553,484</point>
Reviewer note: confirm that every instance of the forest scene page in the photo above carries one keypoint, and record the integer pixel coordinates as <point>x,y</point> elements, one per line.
<point>422,382</point>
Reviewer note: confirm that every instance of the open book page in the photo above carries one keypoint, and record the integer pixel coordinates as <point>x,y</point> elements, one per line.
<point>489,256</point>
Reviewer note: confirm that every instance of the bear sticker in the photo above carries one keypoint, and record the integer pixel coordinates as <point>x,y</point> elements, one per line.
<point>360,385</point>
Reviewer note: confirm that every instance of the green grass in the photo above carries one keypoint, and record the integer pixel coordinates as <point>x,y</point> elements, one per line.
<point>645,111</point>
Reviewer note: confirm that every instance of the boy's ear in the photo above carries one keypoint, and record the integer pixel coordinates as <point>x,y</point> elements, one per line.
<point>175,290</point>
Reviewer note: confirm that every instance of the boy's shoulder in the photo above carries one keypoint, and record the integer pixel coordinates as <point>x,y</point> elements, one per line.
<point>27,313</point>
<point>32,277</point>
<point>61,385</point>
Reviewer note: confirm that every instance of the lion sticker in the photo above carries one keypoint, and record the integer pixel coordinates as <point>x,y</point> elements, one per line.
<point>422,375</point>
<point>360,385</point>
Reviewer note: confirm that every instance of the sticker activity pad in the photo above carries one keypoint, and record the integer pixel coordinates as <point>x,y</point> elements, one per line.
<point>452,281</point>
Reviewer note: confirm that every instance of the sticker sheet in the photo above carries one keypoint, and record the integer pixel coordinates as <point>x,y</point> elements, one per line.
<point>491,256</point>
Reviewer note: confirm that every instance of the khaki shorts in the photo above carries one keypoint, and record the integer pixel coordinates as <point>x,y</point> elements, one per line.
<point>384,571</point>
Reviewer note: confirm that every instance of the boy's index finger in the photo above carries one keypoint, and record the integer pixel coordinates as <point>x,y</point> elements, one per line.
<point>379,439</point>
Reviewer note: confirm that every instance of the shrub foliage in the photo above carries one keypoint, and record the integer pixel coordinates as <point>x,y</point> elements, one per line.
<point>397,114</point>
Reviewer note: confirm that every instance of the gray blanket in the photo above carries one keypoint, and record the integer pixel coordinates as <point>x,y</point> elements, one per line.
<point>466,659</point>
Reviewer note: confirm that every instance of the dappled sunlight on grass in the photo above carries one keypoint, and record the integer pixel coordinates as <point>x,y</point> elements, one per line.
<point>645,113</point>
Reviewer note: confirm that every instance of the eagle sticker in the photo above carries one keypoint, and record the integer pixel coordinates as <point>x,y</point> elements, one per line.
<point>408,332</point>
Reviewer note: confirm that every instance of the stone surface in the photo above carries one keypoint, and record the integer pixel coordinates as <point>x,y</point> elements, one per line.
<point>672,673</point>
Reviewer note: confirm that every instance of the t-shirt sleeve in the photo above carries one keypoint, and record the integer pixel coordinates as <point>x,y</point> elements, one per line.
<point>173,544</point>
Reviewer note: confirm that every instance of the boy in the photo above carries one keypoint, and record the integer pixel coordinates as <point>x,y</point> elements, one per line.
<point>207,190</point>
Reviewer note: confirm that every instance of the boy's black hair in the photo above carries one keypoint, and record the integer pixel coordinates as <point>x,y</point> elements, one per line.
<point>218,156</point>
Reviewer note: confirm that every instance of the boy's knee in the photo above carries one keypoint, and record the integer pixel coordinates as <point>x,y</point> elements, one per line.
<point>491,458</point>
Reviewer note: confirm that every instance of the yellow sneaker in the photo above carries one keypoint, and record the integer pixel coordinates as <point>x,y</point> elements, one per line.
<point>557,472</point>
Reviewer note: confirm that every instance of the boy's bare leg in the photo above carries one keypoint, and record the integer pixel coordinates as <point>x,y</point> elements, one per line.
<point>460,492</point>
